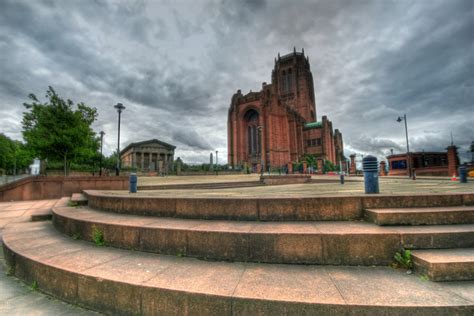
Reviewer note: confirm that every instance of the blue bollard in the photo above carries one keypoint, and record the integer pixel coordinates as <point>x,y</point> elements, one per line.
<point>371,174</point>
<point>462,174</point>
<point>133,180</point>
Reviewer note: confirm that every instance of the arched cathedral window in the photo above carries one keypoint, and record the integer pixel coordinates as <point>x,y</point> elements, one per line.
<point>253,141</point>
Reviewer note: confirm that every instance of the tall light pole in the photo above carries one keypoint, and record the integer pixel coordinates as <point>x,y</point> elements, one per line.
<point>120,108</point>
<point>216,163</point>
<point>102,133</point>
<point>399,120</point>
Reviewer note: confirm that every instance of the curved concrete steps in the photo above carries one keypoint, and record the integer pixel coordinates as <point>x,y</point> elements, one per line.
<point>128,282</point>
<point>421,216</point>
<point>339,243</point>
<point>445,264</point>
<point>271,208</point>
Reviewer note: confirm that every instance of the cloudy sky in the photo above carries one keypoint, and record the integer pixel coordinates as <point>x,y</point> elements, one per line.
<point>176,64</point>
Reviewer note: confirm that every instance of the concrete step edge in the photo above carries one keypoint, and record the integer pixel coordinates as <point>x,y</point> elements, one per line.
<point>108,284</point>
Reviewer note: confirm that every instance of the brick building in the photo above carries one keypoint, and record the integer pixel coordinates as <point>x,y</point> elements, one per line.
<point>425,163</point>
<point>278,125</point>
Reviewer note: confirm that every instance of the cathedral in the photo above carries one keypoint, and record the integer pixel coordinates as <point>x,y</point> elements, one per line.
<point>278,124</point>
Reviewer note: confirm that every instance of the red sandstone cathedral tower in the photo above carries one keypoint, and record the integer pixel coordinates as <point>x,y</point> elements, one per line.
<point>278,125</point>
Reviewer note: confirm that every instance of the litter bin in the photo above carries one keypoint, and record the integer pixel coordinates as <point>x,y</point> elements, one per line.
<point>462,174</point>
<point>371,174</point>
<point>133,179</point>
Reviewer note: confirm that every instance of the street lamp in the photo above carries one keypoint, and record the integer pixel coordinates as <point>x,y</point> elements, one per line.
<point>399,120</point>
<point>260,149</point>
<point>102,133</point>
<point>120,108</point>
<point>216,163</point>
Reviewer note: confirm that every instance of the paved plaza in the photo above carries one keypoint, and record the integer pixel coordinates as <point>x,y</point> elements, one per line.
<point>328,185</point>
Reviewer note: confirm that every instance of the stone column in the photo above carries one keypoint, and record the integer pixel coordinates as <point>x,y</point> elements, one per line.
<point>150,160</point>
<point>142,160</point>
<point>134,160</point>
<point>383,171</point>
<point>452,160</point>
<point>353,169</point>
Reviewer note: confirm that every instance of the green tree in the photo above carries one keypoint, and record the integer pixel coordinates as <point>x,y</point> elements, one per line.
<point>14,155</point>
<point>55,130</point>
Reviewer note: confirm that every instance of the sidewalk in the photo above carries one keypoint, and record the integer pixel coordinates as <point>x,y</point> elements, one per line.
<point>17,298</point>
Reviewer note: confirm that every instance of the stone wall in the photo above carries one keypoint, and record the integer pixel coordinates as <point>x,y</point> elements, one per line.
<point>42,187</point>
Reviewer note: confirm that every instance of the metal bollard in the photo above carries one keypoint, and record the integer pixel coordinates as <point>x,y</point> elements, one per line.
<point>133,180</point>
<point>462,174</point>
<point>342,178</point>
<point>371,174</point>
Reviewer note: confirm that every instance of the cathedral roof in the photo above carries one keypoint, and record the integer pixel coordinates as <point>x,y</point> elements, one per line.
<point>312,125</point>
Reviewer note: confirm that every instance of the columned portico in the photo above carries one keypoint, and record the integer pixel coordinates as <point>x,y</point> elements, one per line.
<point>148,156</point>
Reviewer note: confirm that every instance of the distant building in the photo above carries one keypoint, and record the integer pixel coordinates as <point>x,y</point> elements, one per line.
<point>35,167</point>
<point>150,155</point>
<point>425,163</point>
<point>277,125</point>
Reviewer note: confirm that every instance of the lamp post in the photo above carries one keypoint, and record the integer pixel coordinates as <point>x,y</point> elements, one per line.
<point>216,163</point>
<point>120,108</point>
<point>399,120</point>
<point>102,133</point>
<point>260,149</point>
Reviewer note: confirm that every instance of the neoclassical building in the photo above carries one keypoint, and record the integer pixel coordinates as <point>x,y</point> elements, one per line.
<point>150,155</point>
<point>278,124</point>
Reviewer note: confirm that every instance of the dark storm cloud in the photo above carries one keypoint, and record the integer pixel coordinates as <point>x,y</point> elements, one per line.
<point>176,65</point>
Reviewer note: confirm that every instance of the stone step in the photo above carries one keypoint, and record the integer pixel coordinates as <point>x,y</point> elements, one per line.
<point>79,199</point>
<point>193,186</point>
<point>118,281</point>
<point>265,208</point>
<point>349,243</point>
<point>421,216</point>
<point>445,264</point>
<point>45,214</point>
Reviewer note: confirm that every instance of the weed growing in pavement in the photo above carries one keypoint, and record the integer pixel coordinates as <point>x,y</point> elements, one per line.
<point>98,236</point>
<point>424,277</point>
<point>34,285</point>
<point>11,270</point>
<point>76,236</point>
<point>403,259</point>
<point>72,204</point>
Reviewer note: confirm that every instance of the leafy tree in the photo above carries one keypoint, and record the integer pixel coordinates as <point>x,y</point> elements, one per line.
<point>329,166</point>
<point>55,130</point>
<point>14,155</point>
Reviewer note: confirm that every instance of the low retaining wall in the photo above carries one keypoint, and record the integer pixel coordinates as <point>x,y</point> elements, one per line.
<point>285,179</point>
<point>44,187</point>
